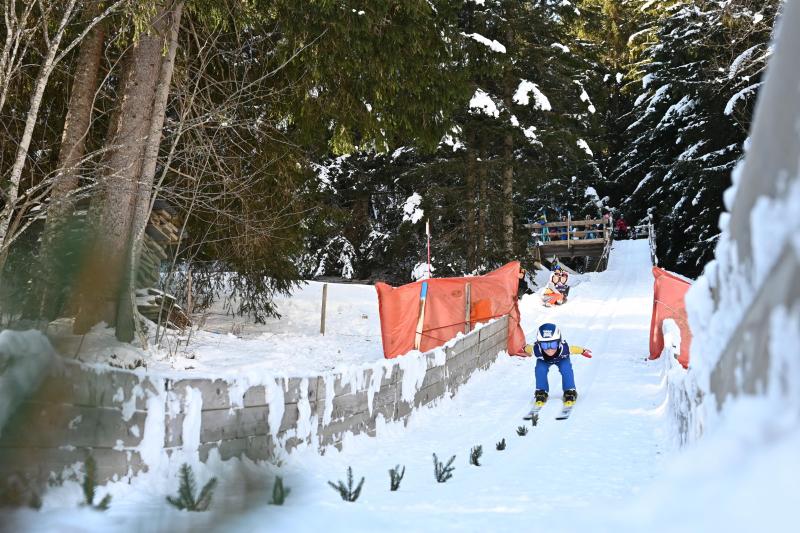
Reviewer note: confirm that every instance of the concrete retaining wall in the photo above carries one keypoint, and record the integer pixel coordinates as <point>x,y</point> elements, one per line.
<point>757,267</point>
<point>130,421</point>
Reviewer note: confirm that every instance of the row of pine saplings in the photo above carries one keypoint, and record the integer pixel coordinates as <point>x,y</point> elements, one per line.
<point>189,499</point>
<point>441,471</point>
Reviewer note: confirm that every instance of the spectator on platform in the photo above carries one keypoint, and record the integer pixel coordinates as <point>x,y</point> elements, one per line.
<point>621,229</point>
<point>590,234</point>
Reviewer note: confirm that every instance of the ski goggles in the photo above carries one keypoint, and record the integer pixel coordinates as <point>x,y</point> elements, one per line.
<point>549,345</point>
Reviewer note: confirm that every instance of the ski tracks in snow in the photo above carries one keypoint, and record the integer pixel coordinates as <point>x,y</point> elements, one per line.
<point>550,479</point>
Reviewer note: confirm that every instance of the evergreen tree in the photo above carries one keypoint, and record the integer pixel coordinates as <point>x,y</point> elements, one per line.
<point>516,145</point>
<point>691,121</point>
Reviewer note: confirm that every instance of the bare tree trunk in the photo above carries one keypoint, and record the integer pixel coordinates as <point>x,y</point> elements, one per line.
<point>11,54</point>
<point>483,208</point>
<point>15,176</point>
<point>170,26</point>
<point>470,215</point>
<point>73,149</point>
<point>508,195</point>
<point>508,151</point>
<point>106,268</point>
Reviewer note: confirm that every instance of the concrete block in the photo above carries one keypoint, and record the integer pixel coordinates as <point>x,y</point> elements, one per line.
<point>433,375</point>
<point>41,464</point>
<point>292,392</point>
<point>386,395</point>
<point>51,426</point>
<point>225,424</point>
<point>255,448</point>
<point>429,394</point>
<point>355,424</point>
<point>402,410</point>
<point>215,392</point>
<point>255,396</point>
<point>347,405</point>
<point>74,384</point>
<point>455,378</point>
<point>290,417</point>
<point>487,331</point>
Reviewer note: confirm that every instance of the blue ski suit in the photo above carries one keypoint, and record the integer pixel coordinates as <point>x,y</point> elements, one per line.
<point>561,360</point>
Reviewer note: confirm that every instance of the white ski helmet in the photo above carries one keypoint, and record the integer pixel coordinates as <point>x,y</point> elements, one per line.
<point>548,332</point>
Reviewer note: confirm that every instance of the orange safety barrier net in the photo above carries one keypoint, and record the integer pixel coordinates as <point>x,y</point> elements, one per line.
<point>668,294</point>
<point>491,296</point>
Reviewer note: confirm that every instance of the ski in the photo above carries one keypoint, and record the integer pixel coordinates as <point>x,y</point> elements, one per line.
<point>534,411</point>
<point>566,410</point>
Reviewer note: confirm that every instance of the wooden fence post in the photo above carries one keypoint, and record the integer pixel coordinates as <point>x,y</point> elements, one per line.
<point>569,230</point>
<point>324,306</point>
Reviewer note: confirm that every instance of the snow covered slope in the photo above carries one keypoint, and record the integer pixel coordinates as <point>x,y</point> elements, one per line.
<point>613,466</point>
<point>613,444</point>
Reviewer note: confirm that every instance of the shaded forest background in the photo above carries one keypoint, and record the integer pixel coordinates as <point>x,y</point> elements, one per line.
<point>293,140</point>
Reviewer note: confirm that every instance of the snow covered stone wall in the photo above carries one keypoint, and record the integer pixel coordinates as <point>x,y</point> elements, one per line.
<point>745,308</point>
<point>131,420</point>
<point>683,393</point>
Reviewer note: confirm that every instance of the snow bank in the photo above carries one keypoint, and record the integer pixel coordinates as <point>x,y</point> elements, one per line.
<point>683,394</point>
<point>746,460</point>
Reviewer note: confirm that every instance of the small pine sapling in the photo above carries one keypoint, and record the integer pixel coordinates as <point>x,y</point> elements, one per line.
<point>346,491</point>
<point>443,472</point>
<point>501,445</point>
<point>279,492</point>
<point>535,420</point>
<point>90,486</point>
<point>186,499</point>
<point>395,477</point>
<point>475,455</point>
<point>522,431</point>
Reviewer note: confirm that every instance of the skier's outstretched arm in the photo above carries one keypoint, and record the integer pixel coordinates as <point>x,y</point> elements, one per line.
<point>586,352</point>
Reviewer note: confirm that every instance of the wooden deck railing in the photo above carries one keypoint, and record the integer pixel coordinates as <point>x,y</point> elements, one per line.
<point>599,229</point>
<point>571,238</point>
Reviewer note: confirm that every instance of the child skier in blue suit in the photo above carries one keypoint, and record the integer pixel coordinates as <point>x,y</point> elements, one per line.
<point>551,349</point>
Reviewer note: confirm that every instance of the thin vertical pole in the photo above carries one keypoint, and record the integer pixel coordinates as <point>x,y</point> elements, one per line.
<point>569,230</point>
<point>324,306</point>
<point>423,295</point>
<point>428,231</point>
<point>467,306</point>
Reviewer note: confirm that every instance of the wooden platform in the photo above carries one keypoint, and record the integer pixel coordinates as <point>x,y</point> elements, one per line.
<point>572,248</point>
<point>548,240</point>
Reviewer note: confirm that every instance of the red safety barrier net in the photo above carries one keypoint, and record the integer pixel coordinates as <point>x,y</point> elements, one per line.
<point>491,296</point>
<point>668,302</point>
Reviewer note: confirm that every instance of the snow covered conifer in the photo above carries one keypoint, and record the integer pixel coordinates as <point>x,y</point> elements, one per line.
<point>475,455</point>
<point>690,122</point>
<point>442,471</point>
<point>347,492</point>
<point>89,487</point>
<point>395,477</point>
<point>186,498</point>
<point>279,492</point>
